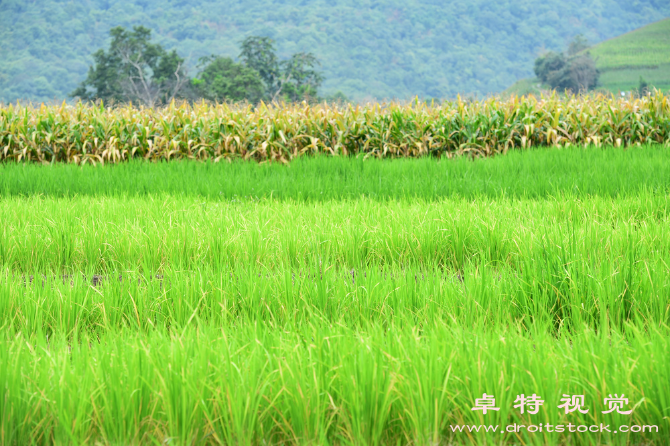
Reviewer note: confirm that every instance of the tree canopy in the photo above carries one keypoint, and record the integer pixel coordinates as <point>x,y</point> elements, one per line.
<point>292,79</point>
<point>574,70</point>
<point>221,79</point>
<point>135,69</point>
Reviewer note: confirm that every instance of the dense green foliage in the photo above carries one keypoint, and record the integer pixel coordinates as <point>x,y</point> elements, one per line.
<point>324,384</point>
<point>222,79</point>
<point>573,71</point>
<point>173,315</point>
<point>135,70</point>
<point>368,49</point>
<point>291,80</point>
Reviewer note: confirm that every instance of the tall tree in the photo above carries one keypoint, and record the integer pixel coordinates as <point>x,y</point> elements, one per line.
<point>134,69</point>
<point>575,71</point>
<point>299,78</point>
<point>549,63</point>
<point>221,79</point>
<point>258,53</point>
<point>583,73</point>
<point>294,79</point>
<point>577,45</point>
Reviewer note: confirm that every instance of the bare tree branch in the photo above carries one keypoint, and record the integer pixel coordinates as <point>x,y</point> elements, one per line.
<point>143,88</point>
<point>283,81</point>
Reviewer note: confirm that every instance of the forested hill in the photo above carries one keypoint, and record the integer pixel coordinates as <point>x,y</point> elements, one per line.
<point>368,49</point>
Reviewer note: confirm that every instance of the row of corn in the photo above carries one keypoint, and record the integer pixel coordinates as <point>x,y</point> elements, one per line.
<point>84,133</point>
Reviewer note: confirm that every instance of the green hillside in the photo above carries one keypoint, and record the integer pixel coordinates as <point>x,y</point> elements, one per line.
<point>644,52</point>
<point>368,48</point>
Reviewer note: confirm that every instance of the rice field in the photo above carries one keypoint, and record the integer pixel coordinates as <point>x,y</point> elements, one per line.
<point>337,300</point>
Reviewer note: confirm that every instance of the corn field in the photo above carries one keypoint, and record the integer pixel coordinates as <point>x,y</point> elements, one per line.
<point>94,134</point>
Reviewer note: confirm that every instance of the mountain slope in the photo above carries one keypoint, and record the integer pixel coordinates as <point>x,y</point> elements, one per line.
<point>369,48</point>
<point>644,52</point>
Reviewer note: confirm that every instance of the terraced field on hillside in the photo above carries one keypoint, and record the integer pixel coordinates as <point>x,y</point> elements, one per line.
<point>644,52</point>
<point>622,61</point>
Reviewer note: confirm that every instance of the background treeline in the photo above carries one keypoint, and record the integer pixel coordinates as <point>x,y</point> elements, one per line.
<point>368,48</point>
<point>134,69</point>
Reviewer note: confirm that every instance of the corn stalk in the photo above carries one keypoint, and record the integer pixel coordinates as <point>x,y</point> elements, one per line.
<point>94,134</point>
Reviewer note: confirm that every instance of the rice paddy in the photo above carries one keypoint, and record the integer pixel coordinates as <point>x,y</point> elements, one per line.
<point>337,301</point>
<point>518,174</point>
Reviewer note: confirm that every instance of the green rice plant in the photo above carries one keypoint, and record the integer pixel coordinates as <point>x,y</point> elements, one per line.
<point>255,385</point>
<point>95,235</point>
<point>539,173</point>
<point>142,263</point>
<point>586,297</point>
